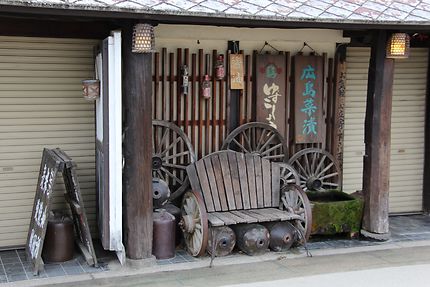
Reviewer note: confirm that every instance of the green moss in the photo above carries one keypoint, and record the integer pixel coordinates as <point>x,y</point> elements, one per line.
<point>335,212</point>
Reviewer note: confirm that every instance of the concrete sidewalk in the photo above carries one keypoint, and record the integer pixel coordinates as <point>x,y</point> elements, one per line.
<point>261,270</point>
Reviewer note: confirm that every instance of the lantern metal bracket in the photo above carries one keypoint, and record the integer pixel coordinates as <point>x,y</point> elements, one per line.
<point>307,45</point>
<point>267,44</point>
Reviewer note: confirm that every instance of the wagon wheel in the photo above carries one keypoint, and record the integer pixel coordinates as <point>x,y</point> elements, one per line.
<point>295,201</point>
<point>172,152</point>
<point>288,174</point>
<point>259,139</point>
<point>194,223</point>
<point>317,169</point>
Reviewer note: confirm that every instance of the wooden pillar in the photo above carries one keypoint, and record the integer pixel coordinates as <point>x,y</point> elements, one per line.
<point>426,182</point>
<point>377,138</point>
<point>137,150</point>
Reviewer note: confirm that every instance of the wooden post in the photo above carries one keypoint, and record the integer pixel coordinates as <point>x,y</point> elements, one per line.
<point>137,83</point>
<point>426,181</point>
<point>234,104</point>
<point>377,138</point>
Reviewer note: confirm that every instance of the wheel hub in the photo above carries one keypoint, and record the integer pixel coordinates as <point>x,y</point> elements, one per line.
<point>187,223</point>
<point>314,183</point>
<point>157,162</point>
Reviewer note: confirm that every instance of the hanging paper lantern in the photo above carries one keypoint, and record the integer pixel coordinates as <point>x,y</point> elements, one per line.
<point>206,88</point>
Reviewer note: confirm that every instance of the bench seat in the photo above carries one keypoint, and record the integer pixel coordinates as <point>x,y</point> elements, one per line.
<point>249,216</point>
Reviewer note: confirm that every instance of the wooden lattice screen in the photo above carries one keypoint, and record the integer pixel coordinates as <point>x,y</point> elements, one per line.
<point>206,121</point>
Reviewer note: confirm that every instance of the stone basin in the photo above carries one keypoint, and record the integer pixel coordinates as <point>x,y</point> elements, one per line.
<point>335,212</point>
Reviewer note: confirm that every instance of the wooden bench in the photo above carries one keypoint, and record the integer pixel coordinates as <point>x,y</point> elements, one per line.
<point>238,188</point>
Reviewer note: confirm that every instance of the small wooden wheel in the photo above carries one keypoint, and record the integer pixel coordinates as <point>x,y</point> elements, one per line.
<point>172,152</point>
<point>257,138</point>
<point>317,169</point>
<point>194,223</point>
<point>288,174</point>
<point>295,201</point>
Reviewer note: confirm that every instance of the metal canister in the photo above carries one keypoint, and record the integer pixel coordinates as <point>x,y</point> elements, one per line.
<point>164,234</point>
<point>176,212</point>
<point>58,245</point>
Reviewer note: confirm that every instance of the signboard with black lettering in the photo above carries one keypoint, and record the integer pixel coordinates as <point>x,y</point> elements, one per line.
<point>54,161</point>
<point>308,99</point>
<point>270,102</point>
<point>49,167</point>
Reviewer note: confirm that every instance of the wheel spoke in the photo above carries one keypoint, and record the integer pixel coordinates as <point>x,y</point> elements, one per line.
<point>329,175</point>
<point>325,169</point>
<point>247,140</point>
<point>307,165</point>
<point>163,138</point>
<point>271,149</point>
<point>171,146</point>
<point>272,137</point>
<point>260,140</point>
<point>320,164</point>
<point>274,156</point>
<point>330,184</point>
<point>161,175</point>
<point>314,158</point>
<point>176,166</point>
<point>302,169</point>
<point>166,158</point>
<point>241,146</point>
<point>172,175</point>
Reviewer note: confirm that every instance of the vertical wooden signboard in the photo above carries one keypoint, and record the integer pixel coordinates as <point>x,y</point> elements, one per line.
<point>236,71</point>
<point>49,167</point>
<point>270,100</point>
<point>308,99</point>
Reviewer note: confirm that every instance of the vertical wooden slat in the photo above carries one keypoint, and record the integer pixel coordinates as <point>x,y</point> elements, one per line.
<point>288,119</point>
<point>220,182</point>
<point>259,181</point>
<point>225,169</point>
<point>178,88</point>
<point>234,172</point>
<point>248,86</point>
<point>193,100</point>
<point>324,101</point>
<point>227,96</point>
<point>163,83</point>
<point>267,182</point>
<point>212,183</point>
<point>222,104</point>
<point>276,182</point>
<point>330,100</point>
<point>207,107</point>
<point>157,84</point>
<point>241,102</point>
<point>241,164</point>
<point>186,97</point>
<point>250,168</point>
<point>204,182</point>
<point>200,105</point>
<point>171,85</point>
<point>214,100</point>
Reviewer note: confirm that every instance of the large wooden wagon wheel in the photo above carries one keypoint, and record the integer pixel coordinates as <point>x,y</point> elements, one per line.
<point>194,223</point>
<point>295,201</point>
<point>317,169</point>
<point>259,139</point>
<point>172,152</point>
<point>288,174</point>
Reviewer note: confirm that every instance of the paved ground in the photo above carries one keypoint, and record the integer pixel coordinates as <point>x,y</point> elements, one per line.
<point>336,270</point>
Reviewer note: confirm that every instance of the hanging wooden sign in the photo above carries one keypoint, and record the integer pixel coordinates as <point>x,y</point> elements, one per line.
<point>270,100</point>
<point>54,161</point>
<point>236,71</point>
<point>308,99</point>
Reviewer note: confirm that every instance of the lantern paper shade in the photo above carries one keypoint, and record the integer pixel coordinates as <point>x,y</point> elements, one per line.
<point>143,39</point>
<point>91,89</point>
<point>398,46</point>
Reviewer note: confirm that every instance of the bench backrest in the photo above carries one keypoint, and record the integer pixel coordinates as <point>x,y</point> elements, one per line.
<point>229,180</point>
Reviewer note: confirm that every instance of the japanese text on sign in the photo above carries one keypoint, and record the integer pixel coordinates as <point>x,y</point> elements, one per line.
<point>309,108</point>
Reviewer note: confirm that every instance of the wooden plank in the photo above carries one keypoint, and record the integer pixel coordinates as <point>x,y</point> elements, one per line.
<point>204,183</point>
<point>276,184</point>
<point>225,169</point>
<point>266,215</point>
<point>200,105</point>
<point>275,214</point>
<point>235,179</point>
<point>156,83</point>
<point>257,216</point>
<point>207,109</point>
<point>221,110</point>
<point>226,219</point>
<point>186,104</point>
<point>212,183</point>
<point>214,101</point>
<point>267,182</point>
<point>232,216</point>
<point>377,137</point>
<point>250,168</point>
<point>246,217</point>
<point>220,182</point>
<point>259,182</point>
<point>193,100</point>
<point>215,221</point>
<point>194,178</point>
<point>171,86</point>
<point>163,83</point>
<point>288,104</point>
<point>426,181</point>
<point>178,87</point>
<point>241,164</point>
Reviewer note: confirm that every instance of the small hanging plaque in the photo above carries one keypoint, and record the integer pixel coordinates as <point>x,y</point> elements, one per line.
<point>236,72</point>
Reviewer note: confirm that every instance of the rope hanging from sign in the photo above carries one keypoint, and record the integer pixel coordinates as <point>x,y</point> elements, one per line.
<point>267,44</point>
<point>307,45</point>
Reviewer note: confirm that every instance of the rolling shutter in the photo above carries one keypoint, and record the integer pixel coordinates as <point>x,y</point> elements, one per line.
<point>407,127</point>
<point>41,105</point>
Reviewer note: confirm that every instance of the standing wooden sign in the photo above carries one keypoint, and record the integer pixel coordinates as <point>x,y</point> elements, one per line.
<point>270,91</point>
<point>236,72</point>
<point>54,161</point>
<point>308,98</point>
